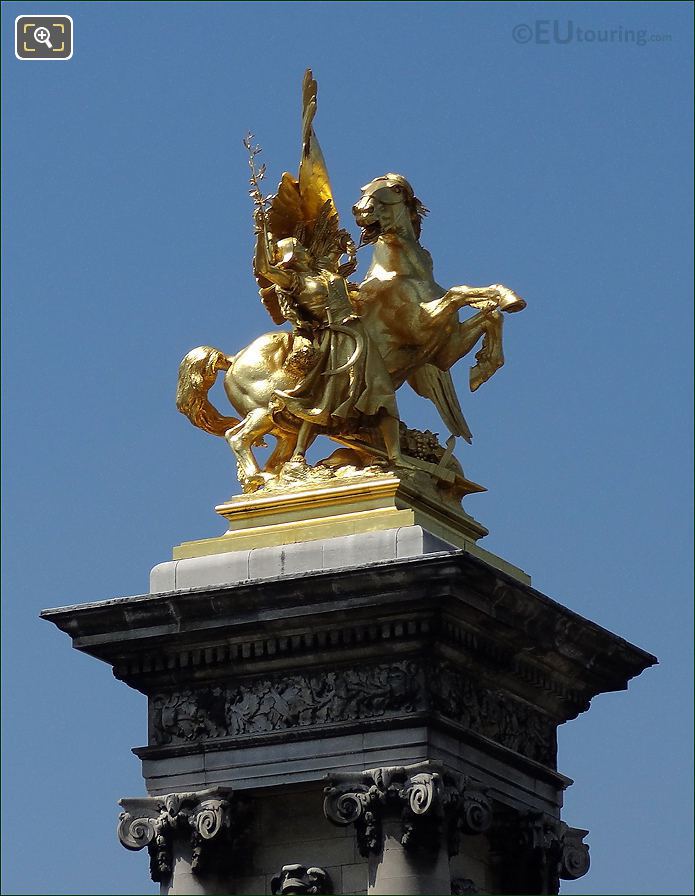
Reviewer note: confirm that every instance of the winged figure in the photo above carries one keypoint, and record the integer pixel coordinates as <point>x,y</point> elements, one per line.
<point>341,380</point>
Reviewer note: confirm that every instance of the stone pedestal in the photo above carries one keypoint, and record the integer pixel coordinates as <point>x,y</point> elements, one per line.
<point>411,686</point>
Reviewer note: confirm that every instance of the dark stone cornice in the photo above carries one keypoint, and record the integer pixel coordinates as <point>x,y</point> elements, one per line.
<point>451,602</point>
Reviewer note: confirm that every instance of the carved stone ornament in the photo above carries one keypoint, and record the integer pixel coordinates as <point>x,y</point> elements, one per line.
<point>574,855</point>
<point>206,818</point>
<point>463,886</point>
<point>430,802</point>
<point>299,879</point>
<point>542,850</point>
<point>263,705</point>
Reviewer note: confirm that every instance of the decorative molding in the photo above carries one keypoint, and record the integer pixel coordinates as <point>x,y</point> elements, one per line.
<point>262,705</point>
<point>257,706</point>
<point>535,648</point>
<point>273,647</point>
<point>457,634</point>
<point>206,818</point>
<point>299,879</point>
<point>430,802</point>
<point>493,714</point>
<point>218,657</point>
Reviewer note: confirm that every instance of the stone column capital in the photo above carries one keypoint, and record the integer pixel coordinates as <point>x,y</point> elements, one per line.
<point>207,819</point>
<point>574,858</point>
<point>542,849</point>
<point>426,797</point>
<point>567,854</point>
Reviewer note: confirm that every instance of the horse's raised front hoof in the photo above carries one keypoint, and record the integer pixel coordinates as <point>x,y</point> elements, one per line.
<point>483,370</point>
<point>511,302</point>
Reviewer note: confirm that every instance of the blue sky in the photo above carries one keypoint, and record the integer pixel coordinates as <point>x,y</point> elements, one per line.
<point>560,169</point>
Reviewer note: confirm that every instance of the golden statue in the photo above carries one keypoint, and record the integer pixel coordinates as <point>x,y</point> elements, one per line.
<point>350,347</point>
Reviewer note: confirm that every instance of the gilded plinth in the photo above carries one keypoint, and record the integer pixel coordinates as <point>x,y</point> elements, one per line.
<point>319,508</point>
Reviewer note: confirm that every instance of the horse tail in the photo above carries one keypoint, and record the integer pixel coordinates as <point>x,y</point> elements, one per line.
<point>197,373</point>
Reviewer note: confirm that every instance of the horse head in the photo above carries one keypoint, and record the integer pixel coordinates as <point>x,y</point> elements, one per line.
<point>387,205</point>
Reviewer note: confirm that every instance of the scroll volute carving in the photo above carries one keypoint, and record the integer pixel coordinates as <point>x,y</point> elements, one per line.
<point>211,822</point>
<point>574,856</point>
<point>430,802</point>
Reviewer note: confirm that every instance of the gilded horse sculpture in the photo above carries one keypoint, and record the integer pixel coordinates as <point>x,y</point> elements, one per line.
<point>412,318</point>
<point>403,315</point>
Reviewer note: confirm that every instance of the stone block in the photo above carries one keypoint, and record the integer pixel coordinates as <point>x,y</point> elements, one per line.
<point>193,764</point>
<point>219,569</point>
<point>464,866</point>
<point>296,817</point>
<point>403,737</point>
<point>302,557</point>
<point>234,567</point>
<point>175,783</point>
<point>358,550</point>
<point>355,878</point>
<point>251,886</point>
<point>413,541</point>
<point>335,851</point>
<point>335,872</point>
<point>267,563</point>
<point>163,577</point>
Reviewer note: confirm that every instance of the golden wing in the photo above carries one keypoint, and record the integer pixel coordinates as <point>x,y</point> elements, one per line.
<point>314,184</point>
<point>437,385</point>
<point>303,206</point>
<point>286,213</point>
<point>300,202</point>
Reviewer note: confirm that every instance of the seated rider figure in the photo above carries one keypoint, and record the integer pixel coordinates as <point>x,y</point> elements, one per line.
<point>344,383</point>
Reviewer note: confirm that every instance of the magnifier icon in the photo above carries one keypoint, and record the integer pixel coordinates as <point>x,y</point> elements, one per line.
<point>43,36</point>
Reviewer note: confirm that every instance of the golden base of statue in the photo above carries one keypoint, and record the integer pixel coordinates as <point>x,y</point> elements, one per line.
<point>310,503</point>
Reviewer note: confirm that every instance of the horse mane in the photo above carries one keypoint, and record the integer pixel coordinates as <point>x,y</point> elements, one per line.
<point>417,212</point>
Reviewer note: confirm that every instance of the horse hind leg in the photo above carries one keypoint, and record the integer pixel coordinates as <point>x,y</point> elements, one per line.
<point>241,438</point>
<point>283,451</point>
